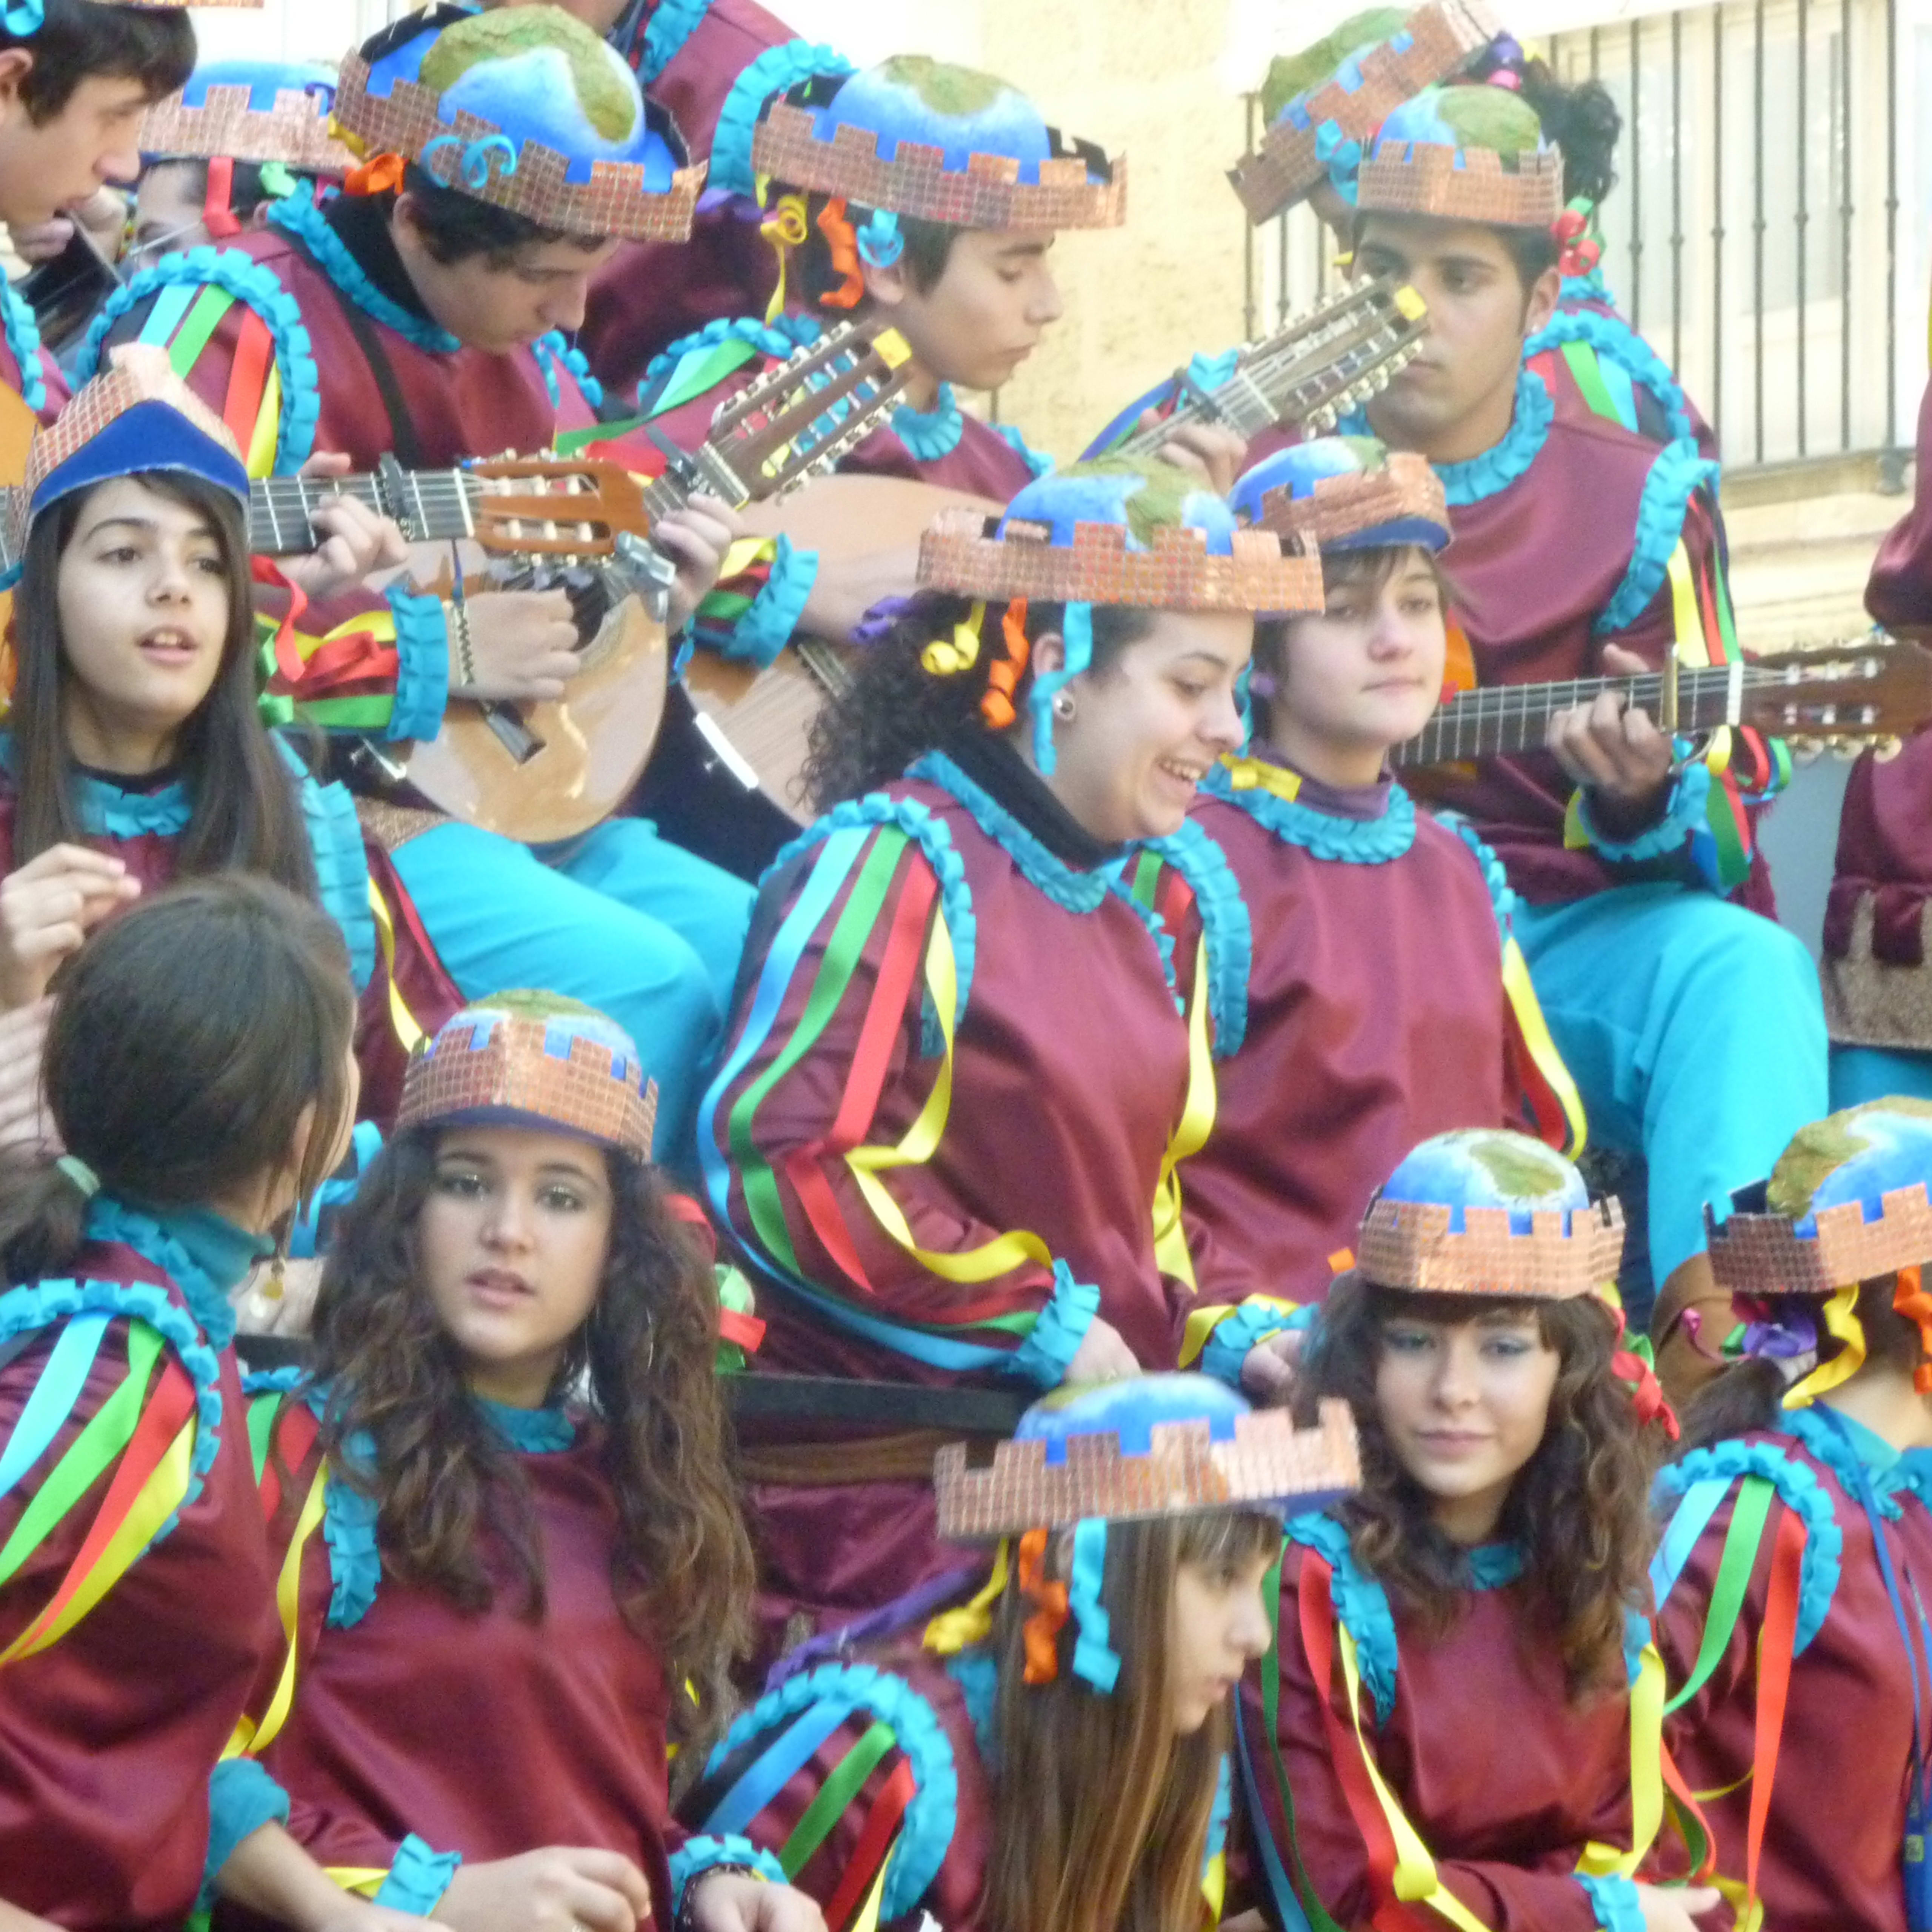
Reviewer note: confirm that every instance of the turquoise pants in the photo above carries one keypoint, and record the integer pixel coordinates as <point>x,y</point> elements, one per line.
<point>1695,1032</point>
<point>619,919</point>
<point>1860,1073</point>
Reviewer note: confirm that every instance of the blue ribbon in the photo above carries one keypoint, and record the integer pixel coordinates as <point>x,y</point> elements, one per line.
<point>1094,1658</point>
<point>473,164</point>
<point>880,244</point>
<point>1342,158</point>
<point>23,18</point>
<point>1076,635</point>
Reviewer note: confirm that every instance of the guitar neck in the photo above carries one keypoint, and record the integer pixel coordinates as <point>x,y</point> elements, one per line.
<point>431,505</point>
<point>1495,720</point>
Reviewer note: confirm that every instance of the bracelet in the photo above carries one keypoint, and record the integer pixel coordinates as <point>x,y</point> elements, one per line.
<point>457,616</point>
<point>686,1919</point>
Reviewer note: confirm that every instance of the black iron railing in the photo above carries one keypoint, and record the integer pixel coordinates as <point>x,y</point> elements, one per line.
<point>1753,234</point>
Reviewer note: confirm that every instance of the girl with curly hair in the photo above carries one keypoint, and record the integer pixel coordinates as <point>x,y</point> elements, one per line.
<point>1797,1558</point>
<point>1461,1707</point>
<point>513,1563</point>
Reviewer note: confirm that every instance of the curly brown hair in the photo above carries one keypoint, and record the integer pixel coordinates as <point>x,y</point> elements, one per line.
<point>1580,1508</point>
<point>682,1570</point>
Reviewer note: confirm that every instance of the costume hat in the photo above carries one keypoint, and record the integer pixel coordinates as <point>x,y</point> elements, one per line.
<point>1346,493</point>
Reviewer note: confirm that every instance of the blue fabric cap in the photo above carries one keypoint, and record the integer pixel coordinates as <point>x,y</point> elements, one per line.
<point>1299,469</point>
<point>263,78</point>
<point>1897,1152</point>
<point>1129,1409</point>
<point>1064,498</point>
<point>886,101</point>
<point>1490,1167</point>
<point>151,436</point>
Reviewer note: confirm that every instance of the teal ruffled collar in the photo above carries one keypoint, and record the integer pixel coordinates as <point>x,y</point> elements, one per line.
<point>1885,1468</point>
<point>532,1431</point>
<point>1079,892</point>
<point>298,214</point>
<point>1494,1565</point>
<point>1498,467</point>
<point>1349,841</point>
<point>110,811</point>
<point>931,433</point>
<point>205,1256</point>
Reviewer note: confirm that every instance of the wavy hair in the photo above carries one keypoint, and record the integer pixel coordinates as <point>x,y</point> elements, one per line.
<point>444,1482</point>
<point>1579,1508</point>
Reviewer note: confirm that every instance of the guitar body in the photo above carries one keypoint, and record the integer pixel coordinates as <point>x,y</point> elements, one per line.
<point>766,716</point>
<point>589,748</point>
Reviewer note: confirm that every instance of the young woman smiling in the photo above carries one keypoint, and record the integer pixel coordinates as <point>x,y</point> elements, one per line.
<point>944,1124</point>
<point>1367,992</point>
<point>1052,1753</point>
<point>501,1494</point>
<point>1462,1708</point>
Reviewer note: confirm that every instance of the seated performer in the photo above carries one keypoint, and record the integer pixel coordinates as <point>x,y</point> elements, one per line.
<point>1793,1580</point>
<point>75,78</point>
<point>1367,992</point>
<point>137,1605</point>
<point>418,312</point>
<point>1323,103</point>
<point>1461,1706</point>
<point>1581,549</point>
<point>1054,1753</point>
<point>502,1496</point>
<point>956,1083</point>
<point>218,154</point>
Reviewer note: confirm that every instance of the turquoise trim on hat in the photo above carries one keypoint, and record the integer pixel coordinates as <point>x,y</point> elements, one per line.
<point>775,71</point>
<point>671,25</point>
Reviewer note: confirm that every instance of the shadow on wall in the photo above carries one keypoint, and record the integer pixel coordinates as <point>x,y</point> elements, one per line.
<point>1799,835</point>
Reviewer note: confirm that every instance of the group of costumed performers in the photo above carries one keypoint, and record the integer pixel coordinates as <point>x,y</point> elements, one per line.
<point>1052,1749</point>
<point>416,313</point>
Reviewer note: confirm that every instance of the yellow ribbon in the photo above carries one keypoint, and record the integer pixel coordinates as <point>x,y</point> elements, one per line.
<point>1201,1323</point>
<point>365,1881</point>
<point>1841,1319</point>
<point>1251,774</point>
<point>249,1738</point>
<point>1528,1009</point>
<point>404,1021</point>
<point>954,1630</point>
<point>263,439</point>
<point>785,227</point>
<point>946,657</point>
<point>1189,1135</point>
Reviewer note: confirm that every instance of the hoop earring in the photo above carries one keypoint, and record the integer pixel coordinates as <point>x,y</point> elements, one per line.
<point>1062,706</point>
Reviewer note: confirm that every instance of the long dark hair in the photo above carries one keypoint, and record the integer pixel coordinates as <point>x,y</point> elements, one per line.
<point>895,710</point>
<point>1579,1508</point>
<point>175,1095</point>
<point>682,1570</point>
<point>245,816</point>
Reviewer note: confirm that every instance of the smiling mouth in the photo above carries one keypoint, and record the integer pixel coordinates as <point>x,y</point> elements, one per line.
<point>1190,776</point>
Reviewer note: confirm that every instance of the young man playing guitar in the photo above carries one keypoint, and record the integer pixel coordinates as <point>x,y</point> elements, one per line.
<point>1581,547</point>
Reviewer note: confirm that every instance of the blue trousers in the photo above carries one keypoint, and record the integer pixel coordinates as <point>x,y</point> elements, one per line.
<point>619,919</point>
<point>1696,1034</point>
<point>1860,1073</point>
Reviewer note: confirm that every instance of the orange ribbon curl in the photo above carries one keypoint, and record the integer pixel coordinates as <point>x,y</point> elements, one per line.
<point>841,243</point>
<point>1003,675</point>
<point>1042,1629</point>
<point>1910,1299</point>
<point>376,176</point>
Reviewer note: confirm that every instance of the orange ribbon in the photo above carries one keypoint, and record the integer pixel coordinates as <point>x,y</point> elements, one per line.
<point>1042,1631</point>
<point>1003,675</point>
<point>1910,1299</point>
<point>376,176</point>
<point>842,244</point>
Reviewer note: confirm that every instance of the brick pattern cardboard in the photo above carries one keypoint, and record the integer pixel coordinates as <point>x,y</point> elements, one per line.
<point>295,131</point>
<point>1463,183</point>
<point>1411,1244</point>
<point>1764,1254</point>
<point>1345,506</point>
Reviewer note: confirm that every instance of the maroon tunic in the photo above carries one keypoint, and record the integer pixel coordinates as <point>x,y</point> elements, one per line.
<point>108,1737</point>
<point>1373,1016</point>
<point>487,1733</point>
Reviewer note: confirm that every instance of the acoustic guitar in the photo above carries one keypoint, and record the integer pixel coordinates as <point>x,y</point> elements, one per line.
<point>1307,374</point>
<point>545,772</point>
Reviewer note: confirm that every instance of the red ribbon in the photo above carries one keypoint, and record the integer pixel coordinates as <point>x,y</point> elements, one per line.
<point>217,205</point>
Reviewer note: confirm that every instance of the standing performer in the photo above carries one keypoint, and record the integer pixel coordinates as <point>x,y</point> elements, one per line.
<point>945,1127</point>
<point>1792,1579</point>
<point>1461,1707</point>
<point>1367,990</point>
<point>1581,549</point>
<point>501,1506</point>
<point>136,1596</point>
<point>418,313</point>
<point>1054,1753</point>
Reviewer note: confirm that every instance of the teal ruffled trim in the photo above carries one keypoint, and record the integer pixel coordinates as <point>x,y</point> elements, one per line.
<point>774,71</point>
<point>1235,1337</point>
<point>531,1431</point>
<point>1592,287</point>
<point>271,1382</point>
<point>552,349</point>
<point>1637,1635</point>
<point>1228,932</point>
<point>1347,842</point>
<point>1036,461</point>
<point>1686,814</point>
<point>1613,338</point>
<point>106,812</point>
<point>242,1798</point>
<point>298,213</point>
<point>932,433</point>
<point>671,25</point>
<point>349,1527</point>
<point>417,1879</point>
<point>1824,1444</point>
<point>1613,1899</point>
<point>1502,898</point>
<point>206,1292</point>
<point>1360,1602</point>
<point>341,864</point>
<point>1798,1490</point>
<point>422,667</point>
<point>247,281</point>
<point>1677,472</point>
<point>778,338</point>
<point>929,833</point>
<point>46,1303</point>
<point>767,626</point>
<point>1057,1331</point>
<point>1493,1566</point>
<point>700,1854</point>
<point>1077,892</point>
<point>23,340</point>
<point>925,1832</point>
<point>977,1672</point>
<point>1217,1818</point>
<point>1497,467</point>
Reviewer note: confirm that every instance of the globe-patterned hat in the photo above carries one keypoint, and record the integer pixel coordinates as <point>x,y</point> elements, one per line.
<point>1346,493</point>
<point>1464,154</point>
